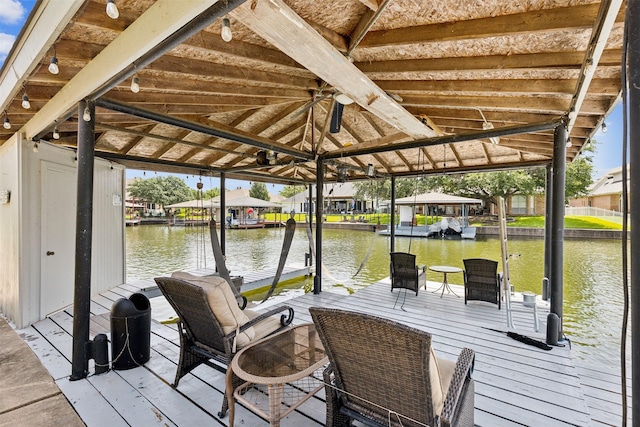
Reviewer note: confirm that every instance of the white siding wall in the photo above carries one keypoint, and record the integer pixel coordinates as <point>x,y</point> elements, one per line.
<point>20,171</point>
<point>9,229</point>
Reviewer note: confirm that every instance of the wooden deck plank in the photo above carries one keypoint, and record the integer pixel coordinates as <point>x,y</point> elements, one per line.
<point>516,384</point>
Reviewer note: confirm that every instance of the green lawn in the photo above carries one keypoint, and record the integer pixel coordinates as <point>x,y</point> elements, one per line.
<point>583,222</point>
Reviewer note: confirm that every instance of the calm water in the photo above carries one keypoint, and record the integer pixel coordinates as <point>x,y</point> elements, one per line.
<point>592,293</point>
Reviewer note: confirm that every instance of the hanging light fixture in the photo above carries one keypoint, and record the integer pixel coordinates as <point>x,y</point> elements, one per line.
<point>25,101</point>
<point>569,144</point>
<point>86,115</point>
<point>35,147</point>
<point>56,133</point>
<point>112,9</point>
<point>342,98</point>
<point>371,171</point>
<point>604,127</point>
<point>53,63</point>
<point>135,84</point>
<point>7,123</point>
<point>226,30</point>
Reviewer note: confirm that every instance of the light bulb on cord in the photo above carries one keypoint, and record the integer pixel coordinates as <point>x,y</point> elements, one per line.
<point>53,65</point>
<point>25,102</point>
<point>135,84</point>
<point>35,147</point>
<point>112,9</point>
<point>7,123</point>
<point>604,127</point>
<point>56,133</point>
<point>226,30</point>
<point>86,115</point>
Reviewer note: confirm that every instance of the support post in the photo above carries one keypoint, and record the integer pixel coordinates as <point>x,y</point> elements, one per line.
<point>547,228</point>
<point>557,222</point>
<point>633,108</point>
<point>223,211</point>
<point>310,216</point>
<point>392,221</point>
<point>317,280</point>
<point>84,214</point>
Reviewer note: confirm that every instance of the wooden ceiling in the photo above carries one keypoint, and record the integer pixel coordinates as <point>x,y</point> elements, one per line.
<point>418,71</point>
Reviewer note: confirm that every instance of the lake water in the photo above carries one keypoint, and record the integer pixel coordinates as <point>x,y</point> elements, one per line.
<point>592,273</point>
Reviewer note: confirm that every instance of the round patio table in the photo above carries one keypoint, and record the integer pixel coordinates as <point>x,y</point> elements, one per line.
<point>281,372</point>
<point>445,269</point>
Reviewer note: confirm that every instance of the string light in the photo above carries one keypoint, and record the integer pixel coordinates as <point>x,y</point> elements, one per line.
<point>604,127</point>
<point>86,115</point>
<point>35,147</point>
<point>25,102</point>
<point>112,9</point>
<point>56,133</point>
<point>7,123</point>
<point>135,84</point>
<point>53,63</point>
<point>226,30</point>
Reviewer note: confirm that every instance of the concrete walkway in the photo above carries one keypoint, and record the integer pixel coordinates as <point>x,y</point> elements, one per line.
<point>29,394</point>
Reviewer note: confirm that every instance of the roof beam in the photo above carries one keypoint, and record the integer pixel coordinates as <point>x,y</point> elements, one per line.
<point>221,131</point>
<point>278,24</point>
<point>447,139</point>
<point>162,20</point>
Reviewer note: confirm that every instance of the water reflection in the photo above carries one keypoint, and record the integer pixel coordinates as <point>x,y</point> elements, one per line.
<point>592,273</point>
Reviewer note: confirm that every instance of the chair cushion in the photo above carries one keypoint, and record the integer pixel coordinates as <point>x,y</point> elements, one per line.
<point>263,328</point>
<point>445,369</point>
<point>436,383</point>
<point>223,304</point>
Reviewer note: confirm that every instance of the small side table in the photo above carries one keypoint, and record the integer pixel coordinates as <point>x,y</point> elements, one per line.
<point>280,373</point>
<point>445,269</point>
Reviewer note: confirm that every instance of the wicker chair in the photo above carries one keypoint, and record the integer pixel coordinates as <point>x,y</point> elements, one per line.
<point>404,272</point>
<point>481,281</point>
<point>385,373</point>
<point>202,338</point>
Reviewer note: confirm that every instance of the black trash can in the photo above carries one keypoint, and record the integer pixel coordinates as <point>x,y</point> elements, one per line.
<point>130,332</point>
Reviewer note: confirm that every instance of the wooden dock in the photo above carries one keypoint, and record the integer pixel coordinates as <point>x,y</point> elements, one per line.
<point>516,384</point>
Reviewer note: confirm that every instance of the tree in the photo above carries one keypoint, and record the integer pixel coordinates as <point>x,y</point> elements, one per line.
<point>206,194</point>
<point>291,190</point>
<point>258,190</point>
<point>160,190</point>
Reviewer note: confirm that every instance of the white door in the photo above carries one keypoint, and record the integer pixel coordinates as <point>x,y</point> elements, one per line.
<point>58,184</point>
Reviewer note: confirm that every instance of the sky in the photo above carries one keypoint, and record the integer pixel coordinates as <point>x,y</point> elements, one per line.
<point>13,14</point>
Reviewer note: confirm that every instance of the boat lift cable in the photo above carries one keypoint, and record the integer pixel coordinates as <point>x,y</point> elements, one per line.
<point>625,213</point>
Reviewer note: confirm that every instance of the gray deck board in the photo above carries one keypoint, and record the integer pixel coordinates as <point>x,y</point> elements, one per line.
<point>516,384</point>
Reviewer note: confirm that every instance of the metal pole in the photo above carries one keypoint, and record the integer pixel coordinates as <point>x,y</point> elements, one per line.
<point>310,215</point>
<point>548,256</point>
<point>84,212</point>
<point>392,222</point>
<point>557,222</point>
<point>223,211</point>
<point>633,76</point>
<point>317,281</point>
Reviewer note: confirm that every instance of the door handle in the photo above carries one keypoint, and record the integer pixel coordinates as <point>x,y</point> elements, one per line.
<point>49,253</point>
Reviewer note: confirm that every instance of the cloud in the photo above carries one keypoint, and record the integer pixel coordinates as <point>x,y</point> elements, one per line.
<point>6,42</point>
<point>11,11</point>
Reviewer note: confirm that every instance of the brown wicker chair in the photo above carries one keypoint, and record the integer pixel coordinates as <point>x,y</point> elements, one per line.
<point>385,373</point>
<point>202,338</point>
<point>404,272</point>
<point>481,281</point>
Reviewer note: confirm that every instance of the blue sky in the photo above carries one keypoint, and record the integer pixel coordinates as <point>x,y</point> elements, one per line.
<point>13,14</point>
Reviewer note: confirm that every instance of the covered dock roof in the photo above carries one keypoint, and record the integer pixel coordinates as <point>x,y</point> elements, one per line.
<point>436,199</point>
<point>444,86</point>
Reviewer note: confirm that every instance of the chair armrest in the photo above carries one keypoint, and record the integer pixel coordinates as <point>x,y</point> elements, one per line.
<point>285,319</point>
<point>422,267</point>
<point>463,370</point>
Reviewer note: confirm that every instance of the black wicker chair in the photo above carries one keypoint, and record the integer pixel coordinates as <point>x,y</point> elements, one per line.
<point>202,338</point>
<point>404,272</point>
<point>481,281</point>
<point>383,373</point>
